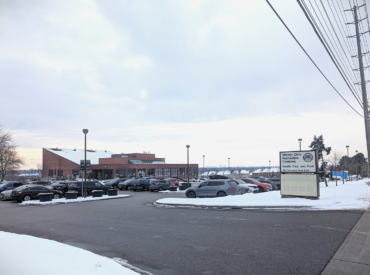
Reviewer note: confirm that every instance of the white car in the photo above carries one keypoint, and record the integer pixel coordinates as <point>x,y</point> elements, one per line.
<point>252,187</point>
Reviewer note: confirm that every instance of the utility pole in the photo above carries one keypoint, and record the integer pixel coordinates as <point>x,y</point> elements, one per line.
<point>363,82</point>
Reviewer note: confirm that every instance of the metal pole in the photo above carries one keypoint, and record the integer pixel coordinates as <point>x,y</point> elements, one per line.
<point>188,169</point>
<point>203,165</point>
<point>363,84</point>
<point>84,187</point>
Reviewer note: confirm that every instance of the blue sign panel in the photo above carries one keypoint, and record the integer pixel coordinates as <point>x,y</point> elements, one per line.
<point>340,174</point>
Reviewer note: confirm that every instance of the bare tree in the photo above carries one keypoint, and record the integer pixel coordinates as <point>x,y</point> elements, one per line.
<point>9,158</point>
<point>334,159</point>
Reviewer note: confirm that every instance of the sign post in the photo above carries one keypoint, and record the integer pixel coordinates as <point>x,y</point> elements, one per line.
<point>299,174</point>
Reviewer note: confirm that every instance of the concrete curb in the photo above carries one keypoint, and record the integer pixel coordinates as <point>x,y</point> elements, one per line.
<point>231,206</point>
<point>353,256</point>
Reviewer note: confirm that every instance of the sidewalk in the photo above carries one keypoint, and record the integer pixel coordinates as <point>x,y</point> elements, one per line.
<point>353,256</point>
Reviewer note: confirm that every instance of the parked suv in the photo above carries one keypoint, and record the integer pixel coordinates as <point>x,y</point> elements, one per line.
<point>29,192</point>
<point>140,184</point>
<point>114,183</point>
<point>126,184</point>
<point>273,184</point>
<point>90,186</point>
<point>214,188</point>
<point>159,185</point>
<point>263,187</point>
<point>61,186</point>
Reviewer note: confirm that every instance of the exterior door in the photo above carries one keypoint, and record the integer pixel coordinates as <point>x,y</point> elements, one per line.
<point>202,189</point>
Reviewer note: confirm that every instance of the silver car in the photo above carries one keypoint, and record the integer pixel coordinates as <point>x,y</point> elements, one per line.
<point>214,188</point>
<point>247,187</point>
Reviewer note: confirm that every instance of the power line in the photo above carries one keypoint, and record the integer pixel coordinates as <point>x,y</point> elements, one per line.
<point>311,58</point>
<point>328,49</point>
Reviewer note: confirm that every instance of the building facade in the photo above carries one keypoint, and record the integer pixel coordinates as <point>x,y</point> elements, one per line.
<point>65,163</point>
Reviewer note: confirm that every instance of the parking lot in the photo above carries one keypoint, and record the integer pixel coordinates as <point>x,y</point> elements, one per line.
<point>188,241</point>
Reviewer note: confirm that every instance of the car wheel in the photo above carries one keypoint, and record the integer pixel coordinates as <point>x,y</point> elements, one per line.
<point>221,194</point>
<point>191,195</point>
<point>135,190</point>
<point>27,198</point>
<point>128,187</point>
<point>120,188</point>
<point>56,196</point>
<point>151,190</point>
<point>160,188</point>
<point>260,189</point>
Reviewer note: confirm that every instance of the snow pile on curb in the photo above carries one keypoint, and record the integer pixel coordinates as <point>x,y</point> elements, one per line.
<point>79,199</point>
<point>353,195</point>
<point>44,257</point>
<point>178,191</point>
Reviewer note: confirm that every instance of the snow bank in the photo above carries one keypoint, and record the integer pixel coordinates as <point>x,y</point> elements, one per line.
<point>178,191</point>
<point>44,257</point>
<point>351,195</point>
<point>63,200</point>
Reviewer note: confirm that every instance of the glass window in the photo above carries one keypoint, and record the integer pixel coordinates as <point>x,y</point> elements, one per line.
<point>205,183</point>
<point>121,173</point>
<point>97,184</point>
<point>159,172</point>
<point>131,172</point>
<point>195,172</point>
<point>10,185</point>
<point>75,172</point>
<point>151,172</point>
<point>167,172</point>
<point>51,173</point>
<point>232,183</point>
<point>182,172</point>
<point>174,172</point>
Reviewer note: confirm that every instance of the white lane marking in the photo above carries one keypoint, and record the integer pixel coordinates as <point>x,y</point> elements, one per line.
<point>134,268</point>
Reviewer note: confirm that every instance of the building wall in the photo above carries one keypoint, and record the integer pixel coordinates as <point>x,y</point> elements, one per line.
<point>55,162</point>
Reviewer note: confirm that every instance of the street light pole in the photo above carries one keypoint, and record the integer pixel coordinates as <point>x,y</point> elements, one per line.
<point>300,140</point>
<point>203,164</point>
<point>269,167</point>
<point>188,146</point>
<point>347,163</point>
<point>356,166</point>
<point>85,131</point>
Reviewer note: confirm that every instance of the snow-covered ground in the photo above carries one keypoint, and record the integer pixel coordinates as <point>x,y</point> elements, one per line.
<point>351,195</point>
<point>79,199</point>
<point>44,257</point>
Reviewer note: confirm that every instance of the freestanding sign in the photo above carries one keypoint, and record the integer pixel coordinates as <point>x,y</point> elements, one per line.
<point>298,162</point>
<point>88,166</point>
<point>299,174</point>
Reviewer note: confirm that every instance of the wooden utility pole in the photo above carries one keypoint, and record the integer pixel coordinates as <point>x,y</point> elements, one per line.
<point>363,82</point>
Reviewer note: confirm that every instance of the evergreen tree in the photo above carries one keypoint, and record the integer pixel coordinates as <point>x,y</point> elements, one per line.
<point>318,144</point>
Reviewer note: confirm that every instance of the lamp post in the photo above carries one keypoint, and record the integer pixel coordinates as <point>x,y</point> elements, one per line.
<point>356,166</point>
<point>85,131</point>
<point>188,172</point>
<point>269,167</point>
<point>203,165</point>
<point>300,140</point>
<point>347,161</point>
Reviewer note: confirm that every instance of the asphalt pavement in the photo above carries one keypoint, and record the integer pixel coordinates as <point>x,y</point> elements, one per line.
<point>168,241</point>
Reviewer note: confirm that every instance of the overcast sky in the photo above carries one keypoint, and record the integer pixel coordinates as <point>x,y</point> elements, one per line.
<point>223,76</point>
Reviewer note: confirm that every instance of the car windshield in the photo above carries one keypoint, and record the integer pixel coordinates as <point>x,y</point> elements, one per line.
<point>2,185</point>
<point>239,181</point>
<point>233,183</point>
<point>255,181</point>
<point>21,187</point>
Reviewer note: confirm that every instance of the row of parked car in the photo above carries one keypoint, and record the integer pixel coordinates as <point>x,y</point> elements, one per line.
<point>27,191</point>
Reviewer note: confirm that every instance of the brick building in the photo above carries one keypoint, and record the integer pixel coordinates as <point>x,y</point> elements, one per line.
<point>65,163</point>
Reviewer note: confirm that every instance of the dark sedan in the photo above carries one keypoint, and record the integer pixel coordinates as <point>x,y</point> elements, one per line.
<point>26,193</point>
<point>61,186</point>
<point>90,186</point>
<point>159,185</point>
